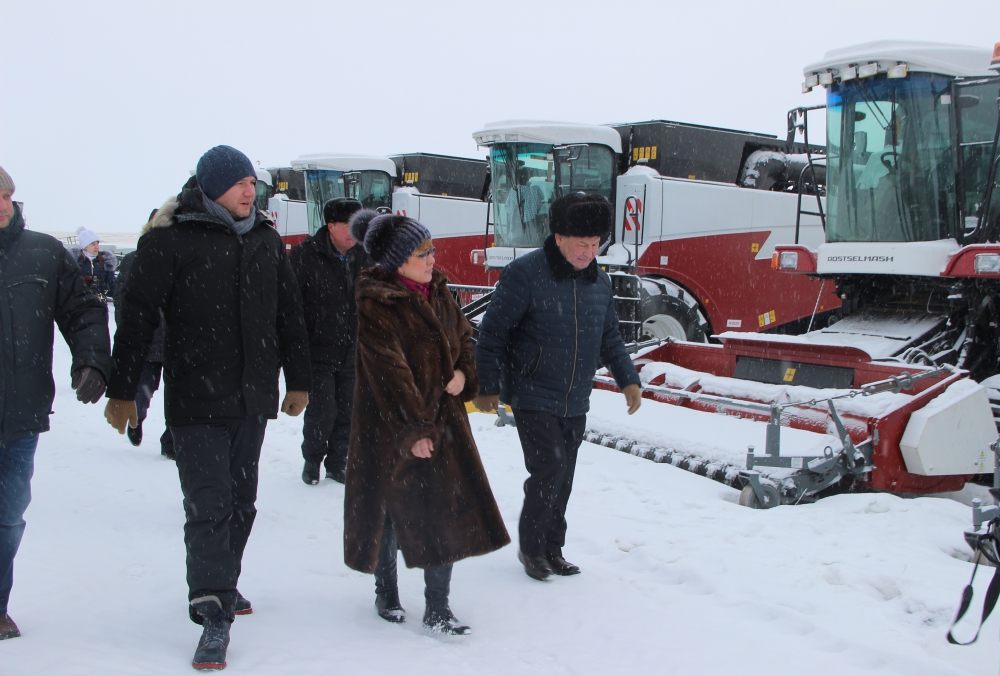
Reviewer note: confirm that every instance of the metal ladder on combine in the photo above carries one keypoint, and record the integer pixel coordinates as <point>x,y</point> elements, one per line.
<point>798,120</point>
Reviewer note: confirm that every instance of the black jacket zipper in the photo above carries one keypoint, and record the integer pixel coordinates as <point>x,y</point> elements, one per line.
<point>576,350</point>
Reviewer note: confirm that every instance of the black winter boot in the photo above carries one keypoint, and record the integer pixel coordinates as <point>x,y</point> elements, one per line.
<point>211,652</point>
<point>338,475</point>
<point>442,621</point>
<point>243,605</point>
<point>536,567</point>
<point>559,565</point>
<point>388,607</point>
<point>310,472</point>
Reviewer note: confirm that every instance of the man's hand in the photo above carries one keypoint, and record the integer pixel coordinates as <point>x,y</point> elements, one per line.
<point>456,384</point>
<point>89,385</point>
<point>295,402</point>
<point>120,413</point>
<point>487,403</point>
<point>633,397</point>
<point>423,448</point>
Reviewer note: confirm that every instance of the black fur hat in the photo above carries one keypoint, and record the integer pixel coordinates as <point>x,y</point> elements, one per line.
<point>580,214</point>
<point>389,239</point>
<point>340,210</point>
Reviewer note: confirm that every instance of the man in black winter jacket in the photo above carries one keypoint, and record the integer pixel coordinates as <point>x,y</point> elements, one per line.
<point>550,325</point>
<point>40,285</point>
<point>326,266</point>
<point>217,269</point>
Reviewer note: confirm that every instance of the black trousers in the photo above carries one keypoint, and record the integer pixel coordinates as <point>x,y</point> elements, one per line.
<point>550,444</point>
<point>217,464</point>
<point>437,581</point>
<point>149,382</point>
<point>326,425</point>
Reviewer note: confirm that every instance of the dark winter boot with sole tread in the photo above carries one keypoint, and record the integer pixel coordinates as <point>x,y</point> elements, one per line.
<point>243,606</point>
<point>535,566</point>
<point>561,566</point>
<point>210,654</point>
<point>310,472</point>
<point>7,628</point>
<point>389,608</point>
<point>442,621</point>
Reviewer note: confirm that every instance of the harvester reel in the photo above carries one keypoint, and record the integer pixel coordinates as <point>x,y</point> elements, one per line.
<point>669,311</point>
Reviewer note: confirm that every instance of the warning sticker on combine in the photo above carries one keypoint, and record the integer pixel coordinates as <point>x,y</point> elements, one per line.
<point>766,319</point>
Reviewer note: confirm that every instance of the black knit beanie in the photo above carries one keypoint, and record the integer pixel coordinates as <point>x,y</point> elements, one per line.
<point>580,214</point>
<point>220,169</point>
<point>340,210</point>
<point>389,239</point>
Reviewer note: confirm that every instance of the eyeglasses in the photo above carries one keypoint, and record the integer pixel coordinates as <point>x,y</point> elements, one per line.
<point>426,254</point>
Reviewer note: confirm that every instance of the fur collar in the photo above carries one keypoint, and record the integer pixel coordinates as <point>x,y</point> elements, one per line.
<point>381,285</point>
<point>188,205</point>
<point>106,259</point>
<point>562,269</point>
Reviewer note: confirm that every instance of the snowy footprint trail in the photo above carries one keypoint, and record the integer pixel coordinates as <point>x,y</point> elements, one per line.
<point>677,578</point>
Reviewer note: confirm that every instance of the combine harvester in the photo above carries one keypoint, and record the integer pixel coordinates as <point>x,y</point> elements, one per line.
<point>911,246</point>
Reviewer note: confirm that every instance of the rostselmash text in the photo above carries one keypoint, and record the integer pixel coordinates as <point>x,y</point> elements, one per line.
<point>859,259</point>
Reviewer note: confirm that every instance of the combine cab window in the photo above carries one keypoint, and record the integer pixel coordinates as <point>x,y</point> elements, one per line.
<point>977,110</point>
<point>891,160</point>
<point>262,194</point>
<point>372,188</point>
<point>528,176</point>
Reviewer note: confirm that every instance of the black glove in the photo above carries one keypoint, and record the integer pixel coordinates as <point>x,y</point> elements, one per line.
<point>89,384</point>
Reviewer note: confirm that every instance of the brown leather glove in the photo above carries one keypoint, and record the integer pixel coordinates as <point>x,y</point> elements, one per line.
<point>295,402</point>
<point>120,413</point>
<point>487,403</point>
<point>633,397</point>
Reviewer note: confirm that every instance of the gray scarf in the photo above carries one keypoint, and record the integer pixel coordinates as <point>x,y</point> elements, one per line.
<point>240,227</point>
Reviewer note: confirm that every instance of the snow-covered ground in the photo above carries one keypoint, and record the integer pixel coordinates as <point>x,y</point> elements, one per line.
<point>677,578</point>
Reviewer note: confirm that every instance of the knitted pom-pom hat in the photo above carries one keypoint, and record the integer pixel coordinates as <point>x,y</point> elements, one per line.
<point>580,214</point>
<point>389,239</point>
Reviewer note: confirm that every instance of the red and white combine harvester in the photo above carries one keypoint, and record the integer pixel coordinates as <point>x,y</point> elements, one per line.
<point>443,190</point>
<point>901,245</point>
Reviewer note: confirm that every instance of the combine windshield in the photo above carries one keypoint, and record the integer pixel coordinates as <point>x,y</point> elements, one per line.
<point>372,188</point>
<point>528,176</point>
<point>891,160</point>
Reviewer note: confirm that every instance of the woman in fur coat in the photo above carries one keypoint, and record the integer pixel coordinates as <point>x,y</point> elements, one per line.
<point>98,266</point>
<point>415,481</point>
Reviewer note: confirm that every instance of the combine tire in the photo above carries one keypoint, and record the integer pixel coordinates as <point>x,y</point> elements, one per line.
<point>748,498</point>
<point>668,311</point>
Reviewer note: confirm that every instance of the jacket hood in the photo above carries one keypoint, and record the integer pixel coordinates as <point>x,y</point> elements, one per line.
<point>106,258</point>
<point>187,206</point>
<point>381,285</point>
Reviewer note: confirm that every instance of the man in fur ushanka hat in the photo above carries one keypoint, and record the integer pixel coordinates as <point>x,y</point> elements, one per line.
<point>550,326</point>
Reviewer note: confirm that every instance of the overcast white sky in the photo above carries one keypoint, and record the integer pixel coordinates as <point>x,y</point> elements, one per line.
<point>106,106</point>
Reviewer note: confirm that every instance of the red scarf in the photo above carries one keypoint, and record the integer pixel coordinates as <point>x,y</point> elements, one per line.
<point>423,289</point>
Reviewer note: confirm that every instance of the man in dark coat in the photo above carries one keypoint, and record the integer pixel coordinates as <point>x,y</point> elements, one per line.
<point>41,284</point>
<point>326,266</point>
<point>550,325</point>
<point>149,381</point>
<point>217,269</point>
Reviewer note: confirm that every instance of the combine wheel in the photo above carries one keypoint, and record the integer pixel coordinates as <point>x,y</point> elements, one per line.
<point>748,498</point>
<point>669,311</point>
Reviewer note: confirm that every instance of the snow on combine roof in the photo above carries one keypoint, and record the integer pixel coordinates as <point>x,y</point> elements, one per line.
<point>540,131</point>
<point>344,163</point>
<point>925,57</point>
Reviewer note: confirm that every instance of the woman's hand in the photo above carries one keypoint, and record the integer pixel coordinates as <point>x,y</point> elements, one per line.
<point>456,384</point>
<point>423,448</point>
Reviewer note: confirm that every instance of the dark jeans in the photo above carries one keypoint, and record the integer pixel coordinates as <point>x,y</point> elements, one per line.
<point>437,581</point>
<point>326,425</point>
<point>17,464</point>
<point>550,444</point>
<point>217,464</point>
<point>149,382</point>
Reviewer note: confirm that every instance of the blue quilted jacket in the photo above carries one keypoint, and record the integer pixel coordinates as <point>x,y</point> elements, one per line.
<point>547,330</point>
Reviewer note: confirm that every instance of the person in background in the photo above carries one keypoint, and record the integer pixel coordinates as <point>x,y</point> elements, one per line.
<point>51,289</point>
<point>326,266</point>
<point>550,326</point>
<point>149,381</point>
<point>415,481</point>
<point>98,266</point>
<point>217,269</point>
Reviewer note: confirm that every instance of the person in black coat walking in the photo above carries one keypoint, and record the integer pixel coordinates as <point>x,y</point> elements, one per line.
<point>217,269</point>
<point>98,267</point>
<point>149,381</point>
<point>326,266</point>
<point>40,284</point>
<point>550,325</point>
